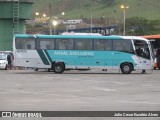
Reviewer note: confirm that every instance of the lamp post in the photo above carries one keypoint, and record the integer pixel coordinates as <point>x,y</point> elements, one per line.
<point>124,18</point>
<point>54,23</point>
<point>91,15</point>
<point>50,26</point>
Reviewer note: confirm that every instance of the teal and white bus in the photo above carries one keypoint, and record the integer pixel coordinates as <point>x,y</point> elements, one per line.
<point>82,52</point>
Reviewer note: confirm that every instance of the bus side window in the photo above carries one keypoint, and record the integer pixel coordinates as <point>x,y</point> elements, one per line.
<point>109,45</point>
<point>47,46</point>
<point>79,45</point>
<point>100,44</point>
<point>25,43</point>
<point>61,46</point>
<point>82,44</point>
<point>68,44</point>
<point>123,46</point>
<point>28,46</point>
<point>127,46</point>
<point>117,45</point>
<point>65,44</point>
<point>103,44</point>
<point>20,43</point>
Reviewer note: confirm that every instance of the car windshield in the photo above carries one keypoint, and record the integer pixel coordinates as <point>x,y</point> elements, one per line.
<point>2,57</point>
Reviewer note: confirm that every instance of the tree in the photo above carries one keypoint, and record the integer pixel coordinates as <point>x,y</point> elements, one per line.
<point>141,26</point>
<point>108,2</point>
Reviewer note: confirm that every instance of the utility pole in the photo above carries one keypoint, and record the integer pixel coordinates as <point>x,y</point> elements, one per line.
<point>91,15</point>
<point>124,18</point>
<point>50,19</point>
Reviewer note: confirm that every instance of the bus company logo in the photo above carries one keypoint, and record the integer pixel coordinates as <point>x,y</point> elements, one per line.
<point>6,114</point>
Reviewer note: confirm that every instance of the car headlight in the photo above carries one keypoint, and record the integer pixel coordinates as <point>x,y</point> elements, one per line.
<point>3,63</point>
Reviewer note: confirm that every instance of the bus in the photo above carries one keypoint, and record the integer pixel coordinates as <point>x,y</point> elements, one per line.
<point>155,42</point>
<point>82,52</point>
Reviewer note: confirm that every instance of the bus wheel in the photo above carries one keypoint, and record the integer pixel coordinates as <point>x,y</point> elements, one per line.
<point>58,68</point>
<point>126,68</point>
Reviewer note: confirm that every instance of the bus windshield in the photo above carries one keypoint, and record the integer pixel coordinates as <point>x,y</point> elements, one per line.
<point>142,49</point>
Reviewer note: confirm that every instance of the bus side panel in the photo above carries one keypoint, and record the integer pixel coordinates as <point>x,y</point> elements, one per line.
<point>82,59</point>
<point>121,57</point>
<point>144,64</point>
<point>27,58</point>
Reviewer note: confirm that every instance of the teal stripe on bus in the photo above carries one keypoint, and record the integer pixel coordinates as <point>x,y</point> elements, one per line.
<point>43,57</point>
<point>48,56</point>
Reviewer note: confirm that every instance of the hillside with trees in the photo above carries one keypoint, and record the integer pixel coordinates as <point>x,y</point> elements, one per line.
<point>142,16</point>
<point>148,9</point>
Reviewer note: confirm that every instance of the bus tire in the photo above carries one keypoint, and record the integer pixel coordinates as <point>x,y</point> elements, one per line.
<point>58,67</point>
<point>126,68</point>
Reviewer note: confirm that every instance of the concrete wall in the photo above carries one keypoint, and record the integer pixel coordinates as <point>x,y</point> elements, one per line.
<point>6,22</point>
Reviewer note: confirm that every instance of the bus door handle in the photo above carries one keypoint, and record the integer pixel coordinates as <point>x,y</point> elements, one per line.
<point>27,61</point>
<point>97,62</point>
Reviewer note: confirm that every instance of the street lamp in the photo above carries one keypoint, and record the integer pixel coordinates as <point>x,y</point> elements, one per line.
<point>44,15</point>
<point>37,13</point>
<point>63,13</point>
<point>53,22</point>
<point>124,18</point>
<point>40,17</point>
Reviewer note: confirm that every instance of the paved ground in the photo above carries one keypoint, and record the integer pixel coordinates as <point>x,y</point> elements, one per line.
<point>26,90</point>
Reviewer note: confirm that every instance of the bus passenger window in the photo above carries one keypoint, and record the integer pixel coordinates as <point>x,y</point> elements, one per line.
<point>82,44</point>
<point>45,44</point>
<point>109,45</point>
<point>64,44</point>
<point>28,46</point>
<point>117,45</point>
<point>25,43</point>
<point>100,44</point>
<point>123,46</point>
<point>103,44</point>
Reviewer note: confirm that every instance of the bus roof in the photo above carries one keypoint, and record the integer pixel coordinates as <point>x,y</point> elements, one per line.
<point>152,36</point>
<point>77,36</point>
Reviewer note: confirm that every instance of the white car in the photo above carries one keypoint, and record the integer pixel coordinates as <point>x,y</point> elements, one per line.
<point>3,61</point>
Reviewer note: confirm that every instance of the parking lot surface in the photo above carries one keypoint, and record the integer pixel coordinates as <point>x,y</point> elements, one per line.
<point>27,90</point>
